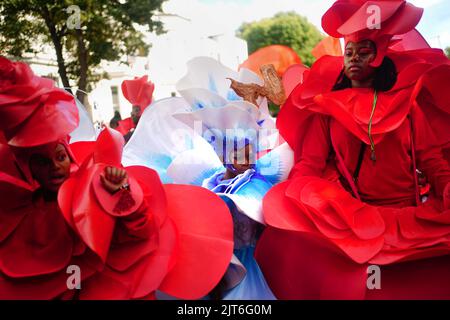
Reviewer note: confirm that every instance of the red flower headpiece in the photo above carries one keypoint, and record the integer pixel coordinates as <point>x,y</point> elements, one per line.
<point>32,110</point>
<point>139,92</point>
<point>379,21</point>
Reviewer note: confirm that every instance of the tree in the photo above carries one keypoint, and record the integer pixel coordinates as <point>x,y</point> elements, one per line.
<point>289,29</point>
<point>83,33</point>
<point>447,52</point>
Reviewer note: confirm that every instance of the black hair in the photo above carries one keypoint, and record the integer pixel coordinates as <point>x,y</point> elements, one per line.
<point>114,123</point>
<point>385,77</point>
<point>117,115</point>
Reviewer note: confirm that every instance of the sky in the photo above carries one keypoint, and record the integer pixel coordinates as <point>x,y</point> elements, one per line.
<point>225,16</point>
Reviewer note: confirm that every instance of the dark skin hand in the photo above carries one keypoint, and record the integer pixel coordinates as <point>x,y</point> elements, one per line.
<point>113,178</point>
<point>357,59</point>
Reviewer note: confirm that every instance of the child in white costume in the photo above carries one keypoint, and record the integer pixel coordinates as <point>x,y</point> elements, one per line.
<point>211,137</point>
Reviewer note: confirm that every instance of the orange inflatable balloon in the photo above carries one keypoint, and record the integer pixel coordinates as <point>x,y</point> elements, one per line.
<point>328,46</point>
<point>281,57</point>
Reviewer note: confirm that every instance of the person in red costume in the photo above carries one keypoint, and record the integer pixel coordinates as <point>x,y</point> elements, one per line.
<point>64,205</point>
<point>139,92</point>
<point>36,245</point>
<point>362,126</point>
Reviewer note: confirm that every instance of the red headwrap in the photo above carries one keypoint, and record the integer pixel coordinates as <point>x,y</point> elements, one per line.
<point>32,110</point>
<point>379,21</point>
<point>139,92</point>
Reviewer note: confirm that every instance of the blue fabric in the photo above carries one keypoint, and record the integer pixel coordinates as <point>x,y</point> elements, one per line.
<point>232,96</point>
<point>271,167</point>
<point>198,181</point>
<point>255,188</point>
<point>217,185</point>
<point>246,232</point>
<point>159,163</point>
<point>212,84</point>
<point>253,286</point>
<point>249,184</point>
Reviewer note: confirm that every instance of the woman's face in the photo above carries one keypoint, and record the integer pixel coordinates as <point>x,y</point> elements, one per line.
<point>357,59</point>
<point>50,166</point>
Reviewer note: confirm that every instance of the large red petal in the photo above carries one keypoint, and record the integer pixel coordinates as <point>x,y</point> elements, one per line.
<point>141,279</point>
<point>41,244</point>
<point>92,223</point>
<point>205,243</point>
<point>153,191</point>
<point>109,147</point>
<point>281,212</point>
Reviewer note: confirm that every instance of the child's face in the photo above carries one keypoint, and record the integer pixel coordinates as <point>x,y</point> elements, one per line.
<point>50,166</point>
<point>243,159</point>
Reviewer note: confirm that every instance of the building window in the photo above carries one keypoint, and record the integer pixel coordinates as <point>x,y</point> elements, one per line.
<point>115,98</point>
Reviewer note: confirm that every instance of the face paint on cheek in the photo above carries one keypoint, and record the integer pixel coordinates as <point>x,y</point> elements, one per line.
<point>357,59</point>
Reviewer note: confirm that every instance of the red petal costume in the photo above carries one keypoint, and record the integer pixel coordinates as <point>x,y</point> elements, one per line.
<point>36,245</point>
<point>139,92</point>
<point>127,245</point>
<point>332,226</point>
<point>151,240</point>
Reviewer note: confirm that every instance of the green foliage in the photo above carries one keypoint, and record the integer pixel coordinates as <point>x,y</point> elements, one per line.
<point>108,31</point>
<point>273,109</point>
<point>447,52</point>
<point>289,29</point>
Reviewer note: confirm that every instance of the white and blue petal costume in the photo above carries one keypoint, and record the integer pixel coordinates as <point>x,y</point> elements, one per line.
<point>188,140</point>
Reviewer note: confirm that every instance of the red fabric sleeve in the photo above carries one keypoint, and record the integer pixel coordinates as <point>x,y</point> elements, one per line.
<point>430,159</point>
<point>133,227</point>
<point>125,126</point>
<point>312,151</point>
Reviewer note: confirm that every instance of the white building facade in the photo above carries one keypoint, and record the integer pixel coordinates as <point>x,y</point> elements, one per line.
<point>165,64</point>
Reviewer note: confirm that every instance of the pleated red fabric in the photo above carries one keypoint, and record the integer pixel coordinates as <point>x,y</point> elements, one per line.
<point>32,110</point>
<point>139,91</point>
<point>156,241</point>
